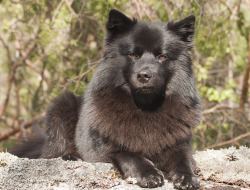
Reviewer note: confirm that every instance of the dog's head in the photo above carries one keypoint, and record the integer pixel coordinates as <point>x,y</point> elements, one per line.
<point>150,60</point>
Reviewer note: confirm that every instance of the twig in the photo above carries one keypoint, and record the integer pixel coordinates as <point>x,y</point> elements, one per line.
<point>7,49</point>
<point>56,12</point>
<point>26,54</point>
<point>88,17</point>
<point>12,72</point>
<point>17,102</point>
<point>79,77</point>
<point>86,72</point>
<point>11,77</point>
<point>16,129</point>
<point>73,11</point>
<point>234,140</point>
<point>169,10</point>
<point>78,81</point>
<point>30,64</point>
<point>215,108</point>
<point>234,120</point>
<point>145,11</point>
<point>201,13</point>
<point>42,79</point>
<point>10,81</point>
<point>138,10</point>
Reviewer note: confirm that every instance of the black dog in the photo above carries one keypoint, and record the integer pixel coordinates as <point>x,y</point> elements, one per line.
<point>138,110</point>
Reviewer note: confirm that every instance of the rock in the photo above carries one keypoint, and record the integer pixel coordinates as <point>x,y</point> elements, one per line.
<point>231,166</point>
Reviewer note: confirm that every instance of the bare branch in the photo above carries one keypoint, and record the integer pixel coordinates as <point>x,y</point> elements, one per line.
<point>215,108</point>
<point>10,82</point>
<point>68,3</point>
<point>79,77</point>
<point>86,72</point>
<point>232,141</point>
<point>16,129</point>
<point>138,9</point>
<point>12,72</point>
<point>168,8</point>
<point>7,50</point>
<point>56,12</point>
<point>234,120</point>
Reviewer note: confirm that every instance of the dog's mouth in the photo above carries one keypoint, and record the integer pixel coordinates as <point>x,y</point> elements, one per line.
<point>148,98</point>
<point>145,90</point>
<point>141,90</point>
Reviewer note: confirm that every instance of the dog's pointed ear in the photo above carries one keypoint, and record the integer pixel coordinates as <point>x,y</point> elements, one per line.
<point>118,23</point>
<point>184,28</point>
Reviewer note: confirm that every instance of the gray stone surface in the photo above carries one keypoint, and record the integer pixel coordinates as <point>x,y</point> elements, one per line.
<point>226,165</point>
<point>22,173</point>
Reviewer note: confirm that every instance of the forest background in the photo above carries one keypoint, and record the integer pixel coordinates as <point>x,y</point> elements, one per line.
<point>47,47</point>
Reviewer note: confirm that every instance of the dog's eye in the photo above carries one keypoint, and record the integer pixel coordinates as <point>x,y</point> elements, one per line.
<point>161,57</point>
<point>133,55</point>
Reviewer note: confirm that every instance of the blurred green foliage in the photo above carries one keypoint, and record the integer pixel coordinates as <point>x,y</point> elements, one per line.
<point>64,41</point>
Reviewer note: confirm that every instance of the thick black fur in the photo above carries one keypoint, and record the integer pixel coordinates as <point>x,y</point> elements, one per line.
<point>139,108</point>
<point>58,139</point>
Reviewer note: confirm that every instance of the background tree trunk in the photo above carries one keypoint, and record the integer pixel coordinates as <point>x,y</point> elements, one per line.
<point>244,91</point>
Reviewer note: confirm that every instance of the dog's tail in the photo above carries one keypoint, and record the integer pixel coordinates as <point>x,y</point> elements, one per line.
<point>58,139</point>
<point>31,147</point>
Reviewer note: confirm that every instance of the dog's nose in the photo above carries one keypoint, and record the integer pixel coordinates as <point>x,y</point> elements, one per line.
<point>144,75</point>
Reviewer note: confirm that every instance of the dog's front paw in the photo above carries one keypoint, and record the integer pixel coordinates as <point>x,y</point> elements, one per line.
<point>185,182</point>
<point>151,179</point>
